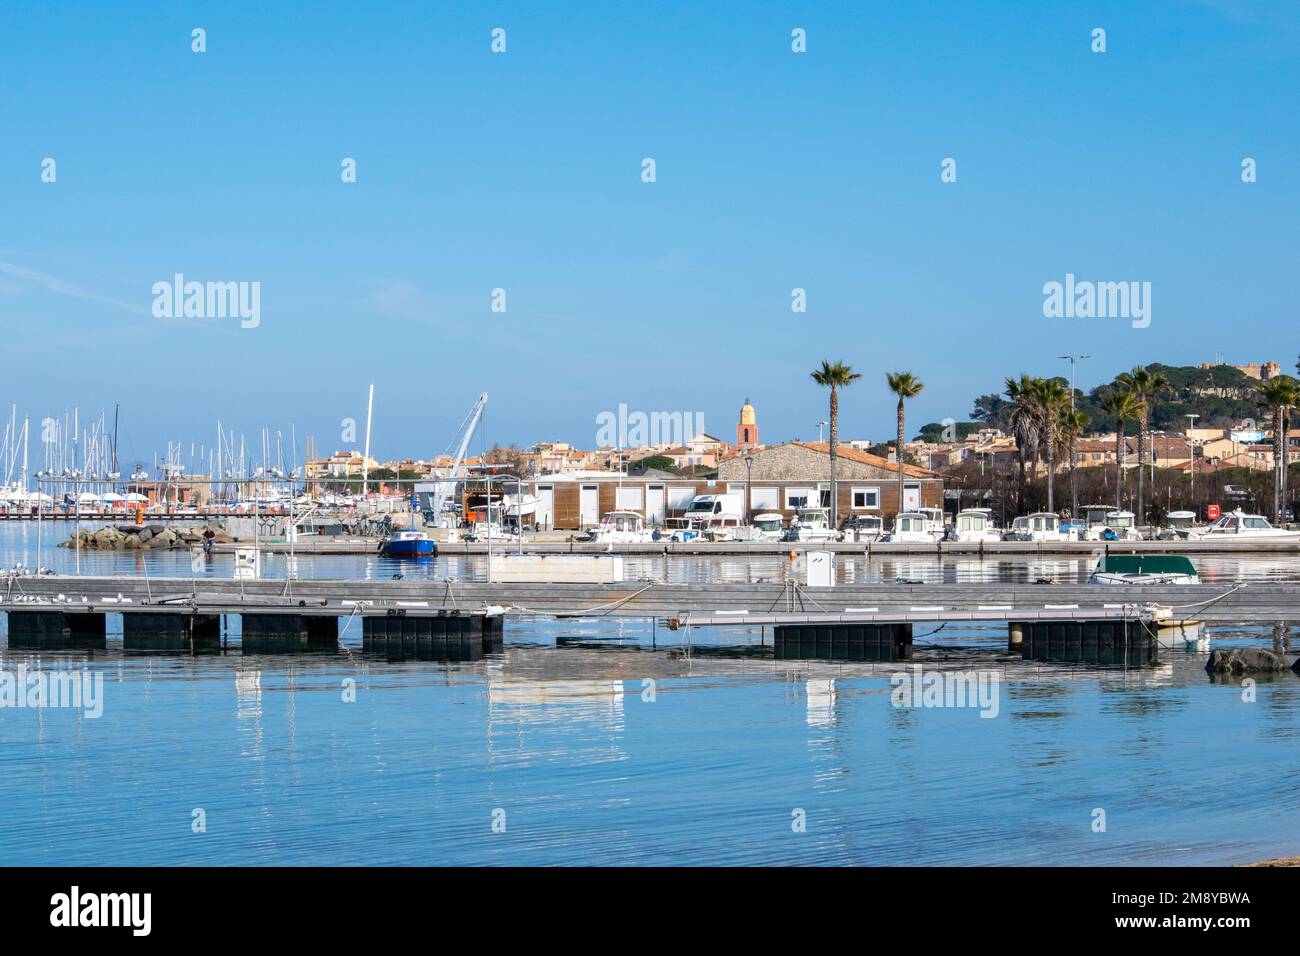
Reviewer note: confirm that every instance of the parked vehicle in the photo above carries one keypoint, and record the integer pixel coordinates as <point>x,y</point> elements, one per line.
<point>705,507</point>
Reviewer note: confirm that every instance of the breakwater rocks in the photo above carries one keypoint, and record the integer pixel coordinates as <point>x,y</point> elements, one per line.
<point>1245,660</point>
<point>131,537</point>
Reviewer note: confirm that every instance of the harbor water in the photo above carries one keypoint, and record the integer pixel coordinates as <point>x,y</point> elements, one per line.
<point>606,743</point>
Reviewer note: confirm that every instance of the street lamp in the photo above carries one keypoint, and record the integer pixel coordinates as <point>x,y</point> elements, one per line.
<point>749,469</point>
<point>1191,452</point>
<point>820,426</point>
<point>1074,478</point>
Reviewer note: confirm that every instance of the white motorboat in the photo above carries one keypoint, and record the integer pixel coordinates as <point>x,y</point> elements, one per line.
<point>975,525</point>
<point>1039,526</point>
<point>934,522</point>
<point>811,524</point>
<point>914,527</point>
<point>766,527</point>
<point>722,528</point>
<point>1179,525</point>
<point>621,527</point>
<point>1148,569</point>
<point>863,528</point>
<point>1237,525</point>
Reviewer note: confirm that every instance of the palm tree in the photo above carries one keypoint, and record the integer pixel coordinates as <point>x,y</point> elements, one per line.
<point>1278,395</point>
<point>905,385</point>
<point>1051,398</point>
<point>834,376</point>
<point>1071,424</point>
<point>1125,407</point>
<point>1024,423</point>
<point>1145,385</point>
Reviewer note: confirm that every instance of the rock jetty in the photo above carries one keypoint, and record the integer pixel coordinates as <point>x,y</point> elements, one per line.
<point>150,537</point>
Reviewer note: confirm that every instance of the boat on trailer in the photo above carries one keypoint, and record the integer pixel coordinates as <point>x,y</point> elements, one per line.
<point>1149,569</point>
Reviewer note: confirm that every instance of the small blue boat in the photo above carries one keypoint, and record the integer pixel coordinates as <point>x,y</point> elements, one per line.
<point>407,544</point>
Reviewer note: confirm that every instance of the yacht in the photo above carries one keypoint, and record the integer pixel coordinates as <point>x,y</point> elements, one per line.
<point>1144,569</point>
<point>1236,525</point>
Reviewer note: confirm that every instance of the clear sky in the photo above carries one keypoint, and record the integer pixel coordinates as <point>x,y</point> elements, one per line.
<point>522,171</point>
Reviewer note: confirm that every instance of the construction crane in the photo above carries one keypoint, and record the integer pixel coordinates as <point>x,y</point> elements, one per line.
<point>444,489</point>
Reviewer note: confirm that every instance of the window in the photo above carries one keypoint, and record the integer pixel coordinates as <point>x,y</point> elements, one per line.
<point>866,497</point>
<point>629,499</point>
<point>797,497</point>
<point>765,499</point>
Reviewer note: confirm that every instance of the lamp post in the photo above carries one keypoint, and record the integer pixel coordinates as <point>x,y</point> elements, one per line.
<point>820,426</point>
<point>1191,453</point>
<point>1074,478</point>
<point>749,469</point>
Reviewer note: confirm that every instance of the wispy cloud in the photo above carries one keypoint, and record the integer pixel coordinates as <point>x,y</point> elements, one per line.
<point>60,287</point>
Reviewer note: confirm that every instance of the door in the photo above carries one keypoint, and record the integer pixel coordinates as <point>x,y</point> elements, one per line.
<point>589,506</point>
<point>655,504</point>
<point>546,507</point>
<point>911,497</point>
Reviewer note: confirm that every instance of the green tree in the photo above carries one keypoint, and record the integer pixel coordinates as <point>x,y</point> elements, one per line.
<point>834,376</point>
<point>1124,407</point>
<point>905,385</point>
<point>1279,395</point>
<point>1146,386</point>
<point>1050,398</point>
<point>1024,424</point>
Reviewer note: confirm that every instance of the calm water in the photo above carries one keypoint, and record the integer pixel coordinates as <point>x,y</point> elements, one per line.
<point>18,543</point>
<point>557,738</point>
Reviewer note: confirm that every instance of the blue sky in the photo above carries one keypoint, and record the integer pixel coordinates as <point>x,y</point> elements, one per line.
<point>522,171</point>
